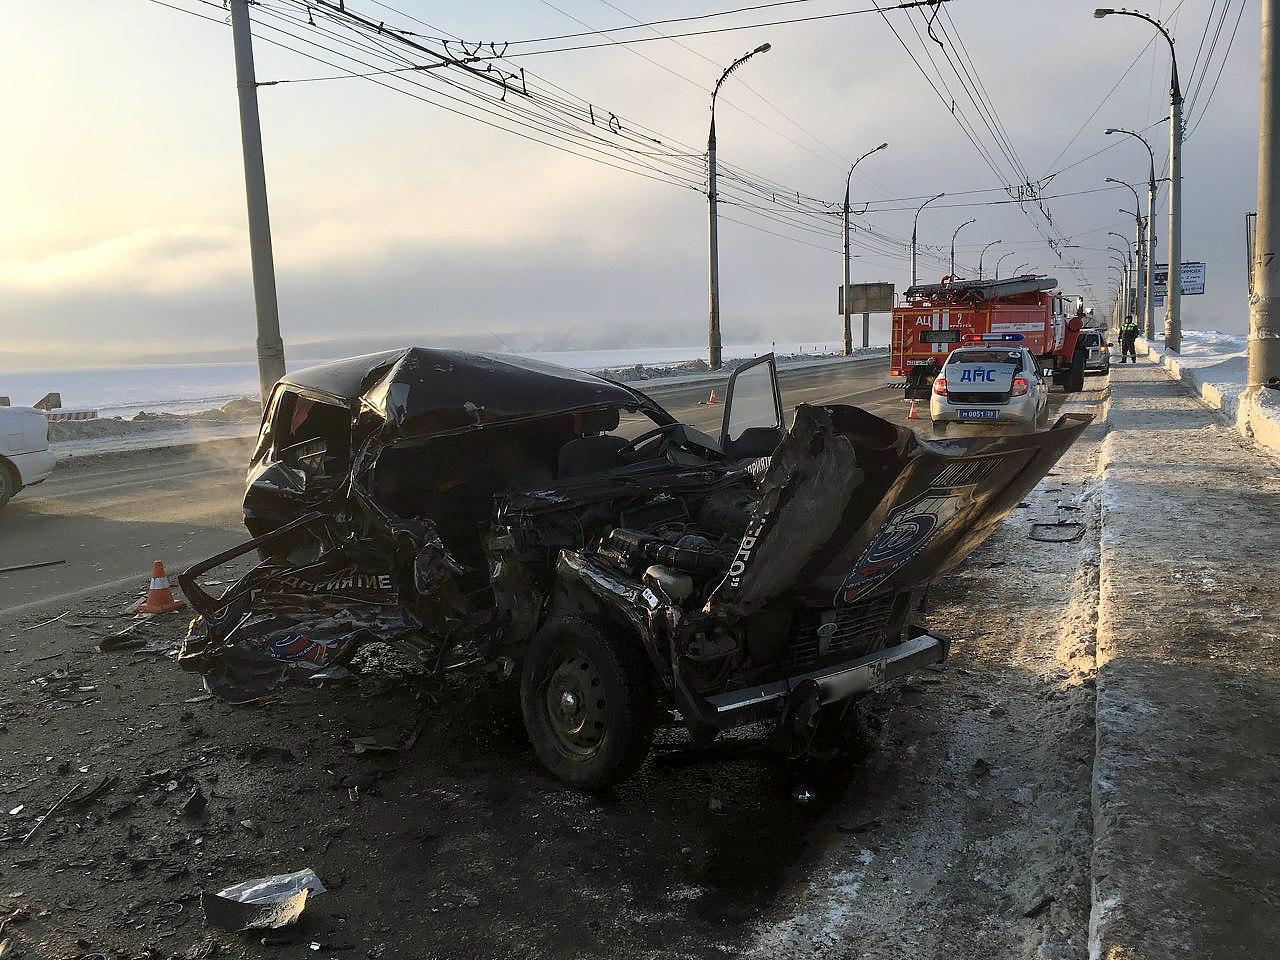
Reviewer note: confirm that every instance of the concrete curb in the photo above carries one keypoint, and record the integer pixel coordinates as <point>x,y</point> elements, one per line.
<point>1256,416</point>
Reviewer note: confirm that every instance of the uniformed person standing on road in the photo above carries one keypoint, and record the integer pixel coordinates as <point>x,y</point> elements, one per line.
<point>1128,340</point>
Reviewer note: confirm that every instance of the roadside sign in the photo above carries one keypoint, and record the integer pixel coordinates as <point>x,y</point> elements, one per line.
<point>1192,280</point>
<point>866,298</point>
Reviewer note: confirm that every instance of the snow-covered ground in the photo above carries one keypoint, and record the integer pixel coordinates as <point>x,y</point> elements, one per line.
<point>1215,366</point>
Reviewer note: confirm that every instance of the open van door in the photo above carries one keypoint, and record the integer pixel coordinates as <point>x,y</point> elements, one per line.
<point>752,424</point>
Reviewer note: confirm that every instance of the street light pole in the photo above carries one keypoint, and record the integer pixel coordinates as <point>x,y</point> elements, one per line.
<point>713,233</point>
<point>1149,293</point>
<point>1000,259</point>
<point>953,244</point>
<point>914,229</point>
<point>1018,271</point>
<point>1128,285</point>
<point>1173,300</point>
<point>983,254</point>
<point>270,346</point>
<point>1264,303</point>
<point>844,296</point>
<point>1139,258</point>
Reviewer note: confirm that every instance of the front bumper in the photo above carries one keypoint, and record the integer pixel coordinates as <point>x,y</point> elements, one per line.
<point>1014,410</point>
<point>835,683</point>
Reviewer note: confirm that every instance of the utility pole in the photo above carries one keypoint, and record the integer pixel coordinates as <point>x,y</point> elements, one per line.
<point>1140,258</point>
<point>844,296</point>
<point>1173,300</point>
<point>1264,303</point>
<point>1126,264</point>
<point>1149,294</point>
<point>270,346</point>
<point>914,228</point>
<point>983,254</point>
<point>1000,259</point>
<point>953,244</point>
<point>714,353</point>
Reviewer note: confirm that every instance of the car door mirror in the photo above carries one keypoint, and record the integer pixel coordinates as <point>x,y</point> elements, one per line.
<point>752,409</point>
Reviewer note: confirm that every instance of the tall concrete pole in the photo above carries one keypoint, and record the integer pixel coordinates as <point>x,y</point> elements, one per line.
<point>1173,303</point>
<point>915,226</point>
<point>953,244</point>
<point>1149,297</point>
<point>713,255</point>
<point>844,296</point>
<point>1264,303</point>
<point>848,306</point>
<point>983,254</point>
<point>714,354</point>
<point>270,346</point>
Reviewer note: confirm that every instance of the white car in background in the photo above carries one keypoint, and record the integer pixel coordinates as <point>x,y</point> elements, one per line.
<point>989,383</point>
<point>25,458</point>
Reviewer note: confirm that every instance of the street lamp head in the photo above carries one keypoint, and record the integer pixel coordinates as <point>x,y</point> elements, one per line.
<point>1109,131</point>
<point>1101,12</point>
<point>763,48</point>
<point>881,147</point>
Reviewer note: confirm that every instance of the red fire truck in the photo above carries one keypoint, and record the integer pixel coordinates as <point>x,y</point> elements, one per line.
<point>937,318</point>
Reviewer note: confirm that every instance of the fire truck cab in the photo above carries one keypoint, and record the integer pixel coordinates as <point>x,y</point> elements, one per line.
<point>936,318</point>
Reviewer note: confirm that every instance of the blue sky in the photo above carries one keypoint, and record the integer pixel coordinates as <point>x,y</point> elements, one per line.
<point>125,226</point>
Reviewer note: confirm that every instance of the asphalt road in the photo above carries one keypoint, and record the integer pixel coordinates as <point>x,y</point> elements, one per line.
<point>108,517</point>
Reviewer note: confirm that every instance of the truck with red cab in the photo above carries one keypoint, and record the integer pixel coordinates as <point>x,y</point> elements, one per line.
<point>1026,311</point>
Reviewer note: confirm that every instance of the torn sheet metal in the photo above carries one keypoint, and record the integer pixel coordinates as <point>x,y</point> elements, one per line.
<point>280,622</point>
<point>853,506</point>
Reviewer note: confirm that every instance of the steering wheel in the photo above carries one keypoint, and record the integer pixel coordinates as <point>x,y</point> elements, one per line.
<point>630,447</point>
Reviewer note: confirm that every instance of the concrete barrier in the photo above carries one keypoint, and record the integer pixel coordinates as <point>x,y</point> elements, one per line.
<point>1256,415</point>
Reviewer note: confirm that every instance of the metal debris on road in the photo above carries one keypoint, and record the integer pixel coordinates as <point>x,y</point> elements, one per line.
<point>40,822</point>
<point>32,566</point>
<point>1063,531</point>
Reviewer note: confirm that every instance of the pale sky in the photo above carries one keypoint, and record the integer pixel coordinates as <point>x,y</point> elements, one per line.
<point>124,214</point>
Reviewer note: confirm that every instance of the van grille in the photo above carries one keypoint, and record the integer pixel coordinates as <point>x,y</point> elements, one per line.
<point>859,629</point>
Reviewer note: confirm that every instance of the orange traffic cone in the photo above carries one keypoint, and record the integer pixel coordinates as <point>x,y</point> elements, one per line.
<point>712,400</point>
<point>160,598</point>
<point>911,414</point>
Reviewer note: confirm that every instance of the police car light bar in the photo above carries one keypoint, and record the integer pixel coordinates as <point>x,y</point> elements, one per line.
<point>986,337</point>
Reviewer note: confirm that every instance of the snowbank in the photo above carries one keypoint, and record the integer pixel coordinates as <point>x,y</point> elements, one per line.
<point>1214,365</point>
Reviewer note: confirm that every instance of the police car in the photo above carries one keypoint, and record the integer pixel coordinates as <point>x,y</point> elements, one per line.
<point>992,378</point>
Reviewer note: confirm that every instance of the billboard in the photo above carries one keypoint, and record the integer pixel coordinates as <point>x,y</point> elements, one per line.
<point>866,298</point>
<point>1192,279</point>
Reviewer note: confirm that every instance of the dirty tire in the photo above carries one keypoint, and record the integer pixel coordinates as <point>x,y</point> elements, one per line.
<point>589,703</point>
<point>8,483</point>
<point>1075,378</point>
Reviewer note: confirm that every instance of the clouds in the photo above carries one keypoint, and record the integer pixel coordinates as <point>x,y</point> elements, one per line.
<point>126,225</point>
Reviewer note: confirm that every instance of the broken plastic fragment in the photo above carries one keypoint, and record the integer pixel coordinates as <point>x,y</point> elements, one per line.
<point>267,903</point>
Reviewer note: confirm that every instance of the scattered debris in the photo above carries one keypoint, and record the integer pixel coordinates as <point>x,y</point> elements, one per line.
<point>40,822</point>
<point>195,804</point>
<point>1037,905</point>
<point>267,903</point>
<point>103,786</point>
<point>371,745</point>
<point>44,623</point>
<point>34,566</point>
<point>1061,531</point>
